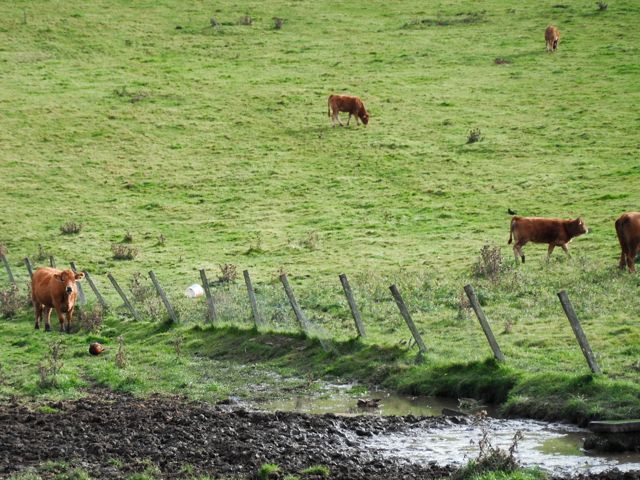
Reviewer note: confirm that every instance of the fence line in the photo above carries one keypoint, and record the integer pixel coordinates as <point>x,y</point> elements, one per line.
<point>302,320</point>
<point>407,318</point>
<point>357,318</point>
<point>133,311</point>
<point>257,319</point>
<point>475,304</point>
<point>578,332</point>
<point>165,300</point>
<point>211,307</point>
<point>8,269</point>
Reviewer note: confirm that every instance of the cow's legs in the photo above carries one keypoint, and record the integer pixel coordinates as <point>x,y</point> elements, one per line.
<point>517,250</point>
<point>69,316</point>
<point>349,119</point>
<point>566,249</point>
<point>60,318</point>
<point>550,251</point>
<point>631,257</point>
<point>37,306</point>
<point>623,260</point>
<point>47,319</point>
<point>336,116</point>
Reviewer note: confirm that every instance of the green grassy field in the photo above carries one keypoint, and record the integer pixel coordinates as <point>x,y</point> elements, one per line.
<point>146,119</point>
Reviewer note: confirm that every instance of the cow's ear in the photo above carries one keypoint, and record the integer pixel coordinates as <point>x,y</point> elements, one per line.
<point>58,277</point>
<point>79,275</point>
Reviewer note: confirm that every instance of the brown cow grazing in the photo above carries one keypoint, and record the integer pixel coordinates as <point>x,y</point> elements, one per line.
<point>53,288</point>
<point>628,230</point>
<point>552,37</point>
<point>347,103</point>
<point>554,231</point>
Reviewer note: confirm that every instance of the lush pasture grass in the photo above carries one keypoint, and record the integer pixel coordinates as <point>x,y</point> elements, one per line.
<point>217,139</point>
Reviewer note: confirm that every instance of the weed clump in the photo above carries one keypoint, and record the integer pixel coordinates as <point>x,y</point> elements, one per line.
<point>50,367</point>
<point>502,61</point>
<point>91,319</point>
<point>123,252</point>
<point>602,6</point>
<point>121,355</point>
<point>245,20</point>
<point>161,240</point>
<point>312,241</point>
<point>42,254</point>
<point>11,302</point>
<point>475,135</point>
<point>268,470</point>
<point>278,23</point>
<point>70,228</point>
<point>490,458</point>
<point>228,273</point>
<point>490,264</point>
<point>128,237</point>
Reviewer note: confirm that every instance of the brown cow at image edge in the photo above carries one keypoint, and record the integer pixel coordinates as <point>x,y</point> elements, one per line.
<point>53,288</point>
<point>553,231</point>
<point>552,37</point>
<point>628,231</point>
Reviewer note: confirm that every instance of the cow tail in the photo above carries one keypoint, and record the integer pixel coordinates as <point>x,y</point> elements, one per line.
<point>510,232</point>
<point>329,105</point>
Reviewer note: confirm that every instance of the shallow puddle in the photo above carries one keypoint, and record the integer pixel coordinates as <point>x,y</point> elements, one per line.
<point>550,446</point>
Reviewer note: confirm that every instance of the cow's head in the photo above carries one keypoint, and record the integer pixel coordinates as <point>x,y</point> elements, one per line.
<point>364,116</point>
<point>68,279</point>
<point>581,228</point>
<point>555,43</point>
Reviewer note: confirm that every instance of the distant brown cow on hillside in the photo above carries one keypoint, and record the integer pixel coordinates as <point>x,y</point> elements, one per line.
<point>346,103</point>
<point>628,230</point>
<point>554,231</point>
<point>53,288</point>
<point>552,37</point>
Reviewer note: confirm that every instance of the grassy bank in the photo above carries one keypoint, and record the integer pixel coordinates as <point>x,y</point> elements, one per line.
<point>196,138</point>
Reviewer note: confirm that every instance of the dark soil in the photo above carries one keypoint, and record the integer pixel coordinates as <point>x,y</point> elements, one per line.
<point>113,435</point>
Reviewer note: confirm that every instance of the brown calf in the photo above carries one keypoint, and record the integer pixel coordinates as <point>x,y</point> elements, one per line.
<point>628,230</point>
<point>346,103</point>
<point>552,37</point>
<point>53,288</point>
<point>554,231</point>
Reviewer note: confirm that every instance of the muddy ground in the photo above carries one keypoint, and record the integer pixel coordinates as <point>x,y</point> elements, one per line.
<point>113,436</point>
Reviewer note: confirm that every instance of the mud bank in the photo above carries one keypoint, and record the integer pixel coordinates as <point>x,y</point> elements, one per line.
<point>113,436</point>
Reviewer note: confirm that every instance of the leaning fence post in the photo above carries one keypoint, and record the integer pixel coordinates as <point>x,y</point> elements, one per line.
<point>165,300</point>
<point>407,317</point>
<point>81,298</point>
<point>211,307</point>
<point>27,262</point>
<point>8,269</point>
<point>475,304</point>
<point>252,298</point>
<point>95,290</point>
<point>579,333</point>
<point>52,261</point>
<point>302,320</point>
<point>352,305</point>
<point>126,301</point>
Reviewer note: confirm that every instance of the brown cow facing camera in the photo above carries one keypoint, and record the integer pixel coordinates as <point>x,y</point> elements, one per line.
<point>53,288</point>
<point>554,231</point>
<point>628,230</point>
<point>552,37</point>
<point>346,103</point>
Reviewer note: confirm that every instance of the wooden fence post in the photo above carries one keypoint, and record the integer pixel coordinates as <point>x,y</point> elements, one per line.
<point>8,269</point>
<point>165,300</point>
<point>27,263</point>
<point>407,318</point>
<point>302,320</point>
<point>579,333</point>
<point>252,298</point>
<point>211,307</point>
<point>475,304</point>
<point>126,301</point>
<point>81,298</point>
<point>352,305</point>
<point>52,261</point>
<point>95,290</point>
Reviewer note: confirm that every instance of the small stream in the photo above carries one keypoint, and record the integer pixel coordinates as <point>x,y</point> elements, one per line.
<point>554,447</point>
